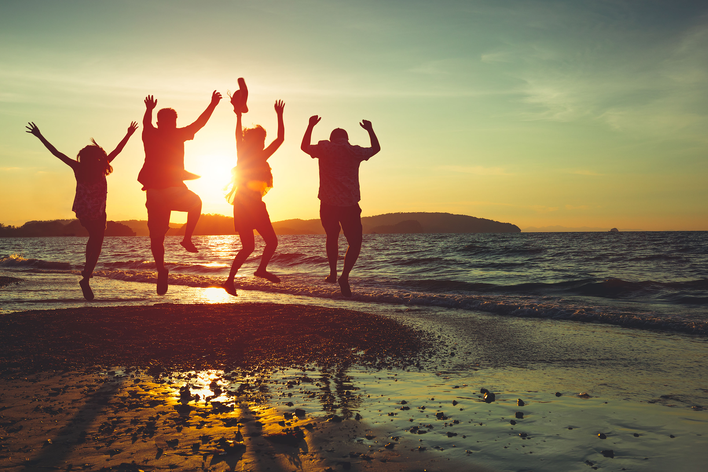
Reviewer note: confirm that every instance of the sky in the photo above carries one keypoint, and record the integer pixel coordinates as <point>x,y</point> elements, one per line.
<point>537,113</point>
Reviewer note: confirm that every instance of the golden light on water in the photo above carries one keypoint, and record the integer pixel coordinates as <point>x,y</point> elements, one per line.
<point>213,295</point>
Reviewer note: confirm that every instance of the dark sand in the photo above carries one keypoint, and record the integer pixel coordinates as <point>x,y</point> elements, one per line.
<point>266,387</point>
<point>198,390</point>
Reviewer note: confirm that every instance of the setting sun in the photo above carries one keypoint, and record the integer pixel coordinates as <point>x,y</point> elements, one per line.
<point>215,171</point>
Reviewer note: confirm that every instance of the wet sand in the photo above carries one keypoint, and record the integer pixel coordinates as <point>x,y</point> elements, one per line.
<point>295,387</point>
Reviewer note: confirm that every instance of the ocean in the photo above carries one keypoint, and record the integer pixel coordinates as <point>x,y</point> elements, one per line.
<point>654,280</point>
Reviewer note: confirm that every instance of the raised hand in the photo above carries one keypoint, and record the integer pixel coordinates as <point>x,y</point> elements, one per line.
<point>215,98</point>
<point>150,102</point>
<point>279,107</point>
<point>314,119</point>
<point>366,124</point>
<point>133,126</point>
<point>33,129</point>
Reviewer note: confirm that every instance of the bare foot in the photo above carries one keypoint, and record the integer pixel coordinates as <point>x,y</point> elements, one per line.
<point>162,281</point>
<point>189,246</point>
<point>331,279</point>
<point>86,289</point>
<point>230,288</point>
<point>267,275</point>
<point>344,286</point>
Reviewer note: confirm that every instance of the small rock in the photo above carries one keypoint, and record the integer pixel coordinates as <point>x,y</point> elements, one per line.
<point>519,414</point>
<point>520,402</point>
<point>602,435</point>
<point>489,397</point>
<point>558,394</point>
<point>608,453</point>
<point>512,422</point>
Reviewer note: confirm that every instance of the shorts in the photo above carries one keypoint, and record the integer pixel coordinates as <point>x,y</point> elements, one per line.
<point>348,217</point>
<point>162,201</point>
<point>250,214</point>
<point>93,222</point>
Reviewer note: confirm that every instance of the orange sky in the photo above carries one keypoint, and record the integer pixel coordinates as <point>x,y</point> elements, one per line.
<point>534,113</point>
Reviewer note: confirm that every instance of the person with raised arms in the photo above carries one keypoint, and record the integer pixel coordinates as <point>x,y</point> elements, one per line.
<point>90,167</point>
<point>163,176</point>
<point>339,193</point>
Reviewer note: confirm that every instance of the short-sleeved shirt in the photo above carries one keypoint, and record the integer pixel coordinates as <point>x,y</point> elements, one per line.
<point>164,157</point>
<point>339,171</point>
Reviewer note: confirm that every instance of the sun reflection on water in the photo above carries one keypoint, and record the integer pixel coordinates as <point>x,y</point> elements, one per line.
<point>212,295</point>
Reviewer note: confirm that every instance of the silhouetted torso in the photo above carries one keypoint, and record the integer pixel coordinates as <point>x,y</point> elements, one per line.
<point>339,171</point>
<point>164,157</point>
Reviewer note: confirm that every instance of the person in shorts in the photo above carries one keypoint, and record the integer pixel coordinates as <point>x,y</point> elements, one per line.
<point>163,176</point>
<point>339,194</point>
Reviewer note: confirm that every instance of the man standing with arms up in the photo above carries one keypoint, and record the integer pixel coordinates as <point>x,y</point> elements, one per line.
<point>339,193</point>
<point>163,177</point>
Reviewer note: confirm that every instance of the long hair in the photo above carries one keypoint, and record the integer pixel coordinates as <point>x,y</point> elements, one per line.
<point>93,156</point>
<point>255,135</point>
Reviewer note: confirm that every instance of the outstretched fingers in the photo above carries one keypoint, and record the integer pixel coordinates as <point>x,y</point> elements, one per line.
<point>150,102</point>
<point>32,129</point>
<point>133,126</point>
<point>279,106</point>
<point>366,124</point>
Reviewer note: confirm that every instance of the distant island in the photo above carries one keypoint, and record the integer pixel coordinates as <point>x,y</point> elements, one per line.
<point>60,228</point>
<point>211,224</point>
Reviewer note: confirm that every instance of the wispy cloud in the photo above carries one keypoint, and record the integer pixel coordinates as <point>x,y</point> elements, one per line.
<point>476,170</point>
<point>590,173</point>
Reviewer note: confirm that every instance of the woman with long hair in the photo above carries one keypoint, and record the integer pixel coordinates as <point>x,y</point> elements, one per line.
<point>91,167</point>
<point>252,180</point>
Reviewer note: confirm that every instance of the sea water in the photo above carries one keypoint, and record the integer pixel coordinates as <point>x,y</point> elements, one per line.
<point>656,280</point>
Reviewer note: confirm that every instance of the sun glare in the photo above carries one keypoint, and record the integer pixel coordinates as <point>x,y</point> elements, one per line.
<point>215,172</point>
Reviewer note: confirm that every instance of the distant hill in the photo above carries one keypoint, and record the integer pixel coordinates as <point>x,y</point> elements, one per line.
<point>391,223</point>
<point>60,228</point>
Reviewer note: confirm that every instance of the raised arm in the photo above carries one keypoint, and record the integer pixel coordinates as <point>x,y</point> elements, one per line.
<point>206,114</point>
<point>34,130</point>
<point>150,104</point>
<point>279,108</point>
<point>366,124</point>
<point>131,129</point>
<point>307,138</point>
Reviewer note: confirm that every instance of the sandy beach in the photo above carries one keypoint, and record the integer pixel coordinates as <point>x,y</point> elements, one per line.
<point>298,387</point>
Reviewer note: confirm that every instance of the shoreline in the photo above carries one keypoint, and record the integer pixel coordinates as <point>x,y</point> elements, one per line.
<point>334,389</point>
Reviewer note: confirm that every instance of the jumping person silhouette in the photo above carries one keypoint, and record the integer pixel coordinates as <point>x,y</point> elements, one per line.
<point>339,193</point>
<point>163,177</point>
<point>91,167</point>
<point>252,180</point>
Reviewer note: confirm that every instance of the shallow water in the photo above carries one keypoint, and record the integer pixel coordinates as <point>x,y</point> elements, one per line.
<point>657,280</point>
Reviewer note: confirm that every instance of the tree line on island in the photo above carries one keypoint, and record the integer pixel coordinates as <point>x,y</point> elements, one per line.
<point>211,224</point>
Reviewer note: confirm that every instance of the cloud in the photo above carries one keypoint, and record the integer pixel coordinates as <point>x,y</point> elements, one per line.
<point>476,170</point>
<point>587,172</point>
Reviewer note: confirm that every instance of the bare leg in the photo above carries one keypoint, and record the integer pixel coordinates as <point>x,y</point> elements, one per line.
<point>247,245</point>
<point>271,244</point>
<point>97,231</point>
<point>192,218</point>
<point>332,248</point>
<point>350,259</point>
<point>157,246</point>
